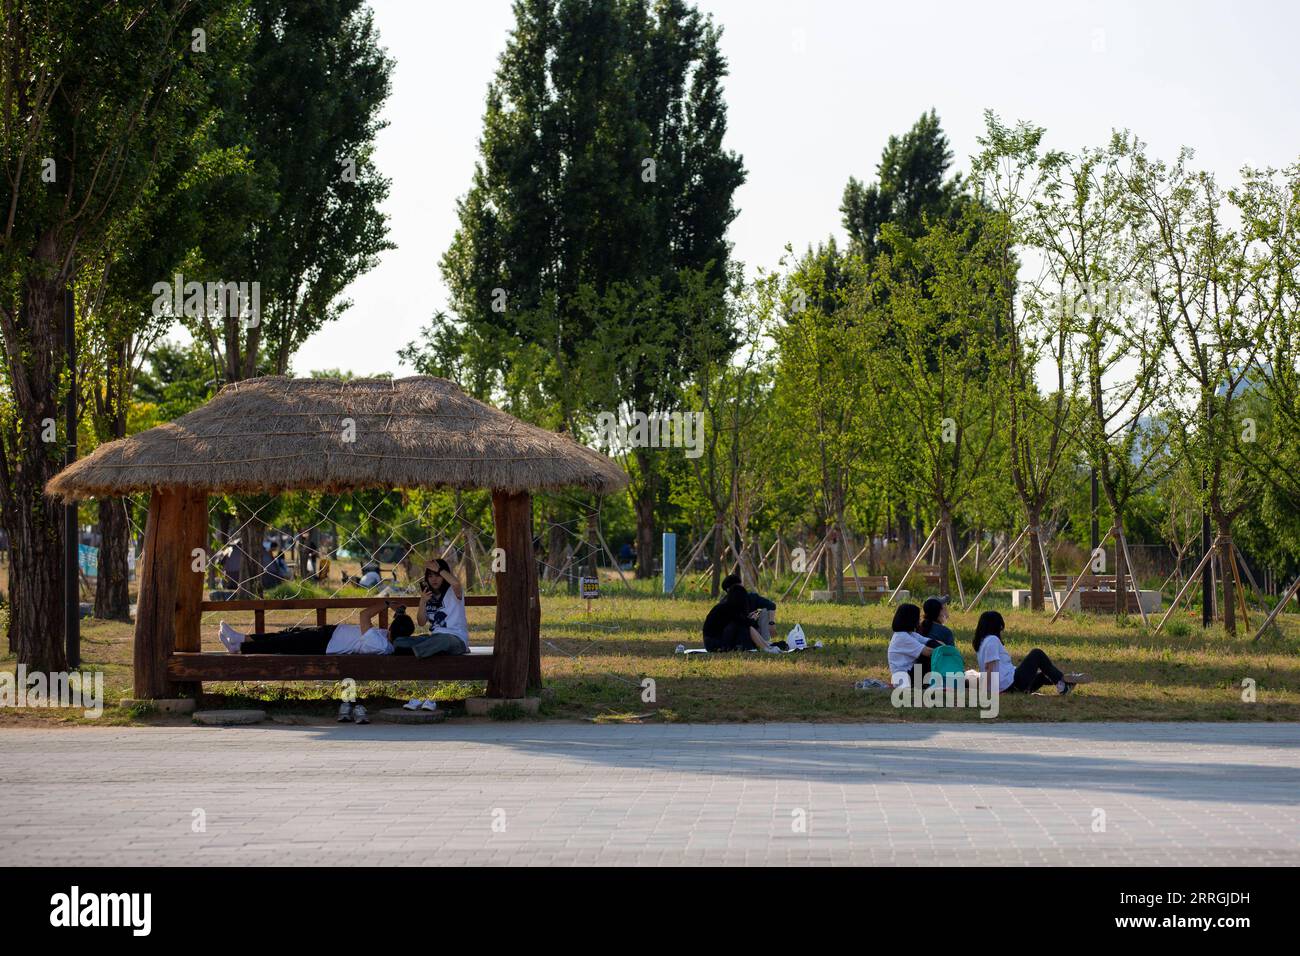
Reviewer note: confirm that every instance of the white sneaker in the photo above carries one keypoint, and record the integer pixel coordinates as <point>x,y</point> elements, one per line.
<point>230,637</point>
<point>429,705</point>
<point>773,650</point>
<point>413,704</point>
<point>359,714</point>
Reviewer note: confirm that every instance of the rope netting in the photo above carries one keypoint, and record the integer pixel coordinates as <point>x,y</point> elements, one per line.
<point>327,546</point>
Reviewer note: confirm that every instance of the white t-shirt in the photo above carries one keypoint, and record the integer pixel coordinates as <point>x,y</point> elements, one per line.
<point>991,649</point>
<point>348,639</point>
<point>904,648</point>
<point>448,615</point>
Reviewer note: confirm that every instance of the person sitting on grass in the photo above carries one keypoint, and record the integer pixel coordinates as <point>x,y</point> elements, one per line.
<point>762,611</point>
<point>934,614</point>
<point>908,647</point>
<point>443,611</point>
<point>1035,671</point>
<point>360,638</point>
<point>728,627</point>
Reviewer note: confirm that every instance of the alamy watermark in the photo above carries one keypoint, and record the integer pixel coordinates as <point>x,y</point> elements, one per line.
<point>57,689</point>
<point>950,690</point>
<point>209,299</point>
<point>639,430</point>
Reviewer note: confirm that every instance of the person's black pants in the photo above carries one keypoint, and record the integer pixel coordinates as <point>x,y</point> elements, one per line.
<point>293,640</point>
<point>734,637</point>
<point>1035,671</point>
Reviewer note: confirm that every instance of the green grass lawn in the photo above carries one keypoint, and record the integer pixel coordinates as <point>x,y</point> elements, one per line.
<point>594,664</point>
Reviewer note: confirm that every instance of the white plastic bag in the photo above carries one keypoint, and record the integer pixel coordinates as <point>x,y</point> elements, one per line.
<point>796,639</point>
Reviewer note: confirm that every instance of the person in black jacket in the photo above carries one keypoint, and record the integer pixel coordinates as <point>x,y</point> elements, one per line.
<point>934,617</point>
<point>762,611</point>
<point>728,626</point>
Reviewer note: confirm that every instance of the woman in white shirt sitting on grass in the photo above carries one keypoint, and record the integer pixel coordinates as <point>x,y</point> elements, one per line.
<point>908,648</point>
<point>1035,671</point>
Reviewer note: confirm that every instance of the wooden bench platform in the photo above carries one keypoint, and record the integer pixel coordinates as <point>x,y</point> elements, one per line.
<point>1103,602</point>
<point>199,666</point>
<point>869,587</point>
<point>476,665</point>
<point>1090,582</point>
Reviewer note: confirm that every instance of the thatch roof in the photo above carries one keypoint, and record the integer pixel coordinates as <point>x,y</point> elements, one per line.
<point>273,434</point>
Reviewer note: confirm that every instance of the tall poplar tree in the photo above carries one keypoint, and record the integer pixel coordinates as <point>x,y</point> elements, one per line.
<point>96,97</point>
<point>602,194</point>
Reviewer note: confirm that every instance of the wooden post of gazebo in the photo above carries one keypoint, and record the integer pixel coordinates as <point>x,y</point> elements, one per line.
<point>517,601</point>
<point>168,613</point>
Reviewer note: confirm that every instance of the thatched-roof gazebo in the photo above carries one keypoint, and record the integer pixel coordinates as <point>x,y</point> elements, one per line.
<point>274,434</point>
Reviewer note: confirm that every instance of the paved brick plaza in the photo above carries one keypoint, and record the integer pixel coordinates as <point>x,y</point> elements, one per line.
<point>548,793</point>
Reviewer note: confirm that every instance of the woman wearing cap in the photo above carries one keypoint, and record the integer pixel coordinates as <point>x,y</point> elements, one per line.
<point>934,614</point>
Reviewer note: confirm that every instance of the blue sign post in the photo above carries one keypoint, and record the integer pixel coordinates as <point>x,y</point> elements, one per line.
<point>670,562</point>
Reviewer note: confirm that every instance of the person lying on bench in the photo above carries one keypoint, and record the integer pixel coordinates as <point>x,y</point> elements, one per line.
<point>762,611</point>
<point>361,638</point>
<point>728,627</point>
<point>907,647</point>
<point>1035,671</point>
<point>443,611</point>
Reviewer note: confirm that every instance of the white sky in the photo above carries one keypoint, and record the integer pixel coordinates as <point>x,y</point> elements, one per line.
<point>815,89</point>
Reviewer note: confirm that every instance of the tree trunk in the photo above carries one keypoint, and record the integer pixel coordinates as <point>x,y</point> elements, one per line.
<point>1229,579</point>
<point>302,543</point>
<point>469,562</point>
<point>35,522</point>
<point>835,556</point>
<point>1036,588</point>
<point>112,593</point>
<point>645,530</point>
<point>1121,571</point>
<point>112,586</point>
<point>940,547</point>
<point>250,558</point>
<point>904,518</point>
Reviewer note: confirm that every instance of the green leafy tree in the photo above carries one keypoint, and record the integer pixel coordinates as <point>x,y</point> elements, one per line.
<point>97,99</point>
<point>1014,176</point>
<point>602,194</point>
<point>912,189</point>
<point>932,334</point>
<point>306,117</point>
<point>1197,265</point>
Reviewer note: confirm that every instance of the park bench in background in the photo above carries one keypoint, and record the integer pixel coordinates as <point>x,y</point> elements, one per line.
<point>1103,602</point>
<point>930,575</point>
<point>869,587</point>
<point>1090,582</point>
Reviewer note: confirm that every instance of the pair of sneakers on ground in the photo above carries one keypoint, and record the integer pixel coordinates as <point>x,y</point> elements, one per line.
<point>415,703</point>
<point>1067,682</point>
<point>353,713</point>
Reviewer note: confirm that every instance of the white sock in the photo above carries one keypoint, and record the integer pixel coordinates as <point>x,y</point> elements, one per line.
<point>230,637</point>
<point>1060,686</point>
